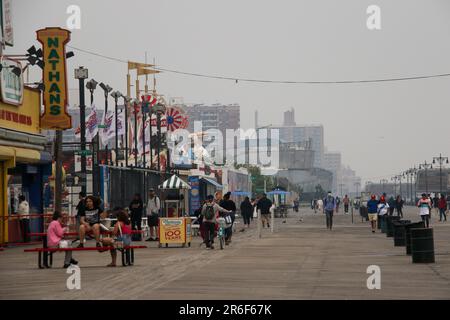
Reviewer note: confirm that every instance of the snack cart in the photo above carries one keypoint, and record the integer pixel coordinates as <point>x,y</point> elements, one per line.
<point>175,225</point>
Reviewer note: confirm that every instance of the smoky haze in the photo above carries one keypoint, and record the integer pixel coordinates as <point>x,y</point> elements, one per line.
<point>380,128</point>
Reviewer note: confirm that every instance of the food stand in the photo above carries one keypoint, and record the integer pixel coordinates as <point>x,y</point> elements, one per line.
<point>175,225</point>
<point>279,200</point>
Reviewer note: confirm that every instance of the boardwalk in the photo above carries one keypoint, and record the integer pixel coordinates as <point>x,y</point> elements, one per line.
<point>300,260</point>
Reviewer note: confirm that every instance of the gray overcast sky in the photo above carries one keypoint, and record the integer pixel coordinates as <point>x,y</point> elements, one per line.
<point>380,128</point>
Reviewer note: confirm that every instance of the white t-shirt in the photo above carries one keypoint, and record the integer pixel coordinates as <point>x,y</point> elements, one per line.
<point>424,206</point>
<point>153,205</point>
<point>382,208</point>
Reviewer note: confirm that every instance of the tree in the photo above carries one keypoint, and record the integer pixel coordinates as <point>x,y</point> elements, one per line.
<point>320,192</point>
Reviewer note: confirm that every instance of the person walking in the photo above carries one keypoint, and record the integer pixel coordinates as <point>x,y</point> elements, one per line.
<point>229,205</point>
<point>329,205</point>
<point>264,205</point>
<point>210,213</point>
<point>136,210</point>
<point>382,211</point>
<point>24,216</point>
<point>246,211</point>
<point>442,208</point>
<point>152,211</point>
<point>436,203</point>
<point>319,205</point>
<point>372,211</point>
<point>399,206</point>
<point>338,202</point>
<point>425,206</point>
<point>392,205</point>
<point>346,202</point>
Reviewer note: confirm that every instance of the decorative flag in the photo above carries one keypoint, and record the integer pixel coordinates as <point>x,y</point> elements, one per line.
<point>109,131</point>
<point>174,119</point>
<point>91,125</point>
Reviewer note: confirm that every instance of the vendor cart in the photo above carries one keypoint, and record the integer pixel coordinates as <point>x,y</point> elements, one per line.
<point>175,225</point>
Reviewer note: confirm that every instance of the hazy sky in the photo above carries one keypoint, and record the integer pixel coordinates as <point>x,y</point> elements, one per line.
<point>380,128</point>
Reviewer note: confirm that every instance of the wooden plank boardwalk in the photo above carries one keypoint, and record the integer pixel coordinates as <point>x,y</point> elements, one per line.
<point>300,260</point>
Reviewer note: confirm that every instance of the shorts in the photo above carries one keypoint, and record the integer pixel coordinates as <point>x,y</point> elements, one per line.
<point>153,220</point>
<point>373,216</point>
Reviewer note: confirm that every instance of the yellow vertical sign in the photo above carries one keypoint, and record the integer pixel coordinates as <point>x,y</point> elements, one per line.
<point>53,42</point>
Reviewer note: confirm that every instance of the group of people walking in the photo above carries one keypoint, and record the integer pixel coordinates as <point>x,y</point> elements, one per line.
<point>378,208</point>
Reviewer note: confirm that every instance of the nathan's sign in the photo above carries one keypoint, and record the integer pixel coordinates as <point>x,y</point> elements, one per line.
<point>53,42</point>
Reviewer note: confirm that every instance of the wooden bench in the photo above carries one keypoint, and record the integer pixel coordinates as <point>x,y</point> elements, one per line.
<point>127,253</point>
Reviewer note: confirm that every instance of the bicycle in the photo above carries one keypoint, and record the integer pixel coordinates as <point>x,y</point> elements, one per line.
<point>221,232</point>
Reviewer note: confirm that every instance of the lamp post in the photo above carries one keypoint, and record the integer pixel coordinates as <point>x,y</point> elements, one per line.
<point>107,89</point>
<point>81,73</point>
<point>126,101</point>
<point>441,161</point>
<point>145,109</point>
<point>159,109</point>
<point>116,95</point>
<point>383,183</point>
<point>135,112</point>
<point>91,85</point>
<point>426,166</point>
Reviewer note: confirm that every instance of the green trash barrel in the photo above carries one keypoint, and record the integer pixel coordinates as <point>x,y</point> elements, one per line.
<point>389,226</point>
<point>400,232</point>
<point>422,245</point>
<point>408,228</point>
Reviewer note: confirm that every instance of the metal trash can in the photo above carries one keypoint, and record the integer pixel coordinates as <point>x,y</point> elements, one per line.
<point>408,227</point>
<point>400,232</point>
<point>422,245</point>
<point>389,226</point>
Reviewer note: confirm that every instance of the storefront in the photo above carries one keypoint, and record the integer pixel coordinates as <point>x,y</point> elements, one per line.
<point>24,165</point>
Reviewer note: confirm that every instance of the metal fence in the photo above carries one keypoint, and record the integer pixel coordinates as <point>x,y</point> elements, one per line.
<point>124,183</point>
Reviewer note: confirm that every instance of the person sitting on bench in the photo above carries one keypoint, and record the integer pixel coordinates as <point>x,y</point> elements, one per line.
<point>55,234</point>
<point>90,220</point>
<point>121,233</point>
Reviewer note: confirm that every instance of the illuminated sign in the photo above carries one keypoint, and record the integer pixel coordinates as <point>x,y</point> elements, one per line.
<point>53,42</point>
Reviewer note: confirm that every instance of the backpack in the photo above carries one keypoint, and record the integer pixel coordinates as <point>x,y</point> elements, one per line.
<point>209,212</point>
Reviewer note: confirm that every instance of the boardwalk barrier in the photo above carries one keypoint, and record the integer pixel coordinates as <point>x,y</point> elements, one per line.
<point>408,228</point>
<point>400,232</point>
<point>390,226</point>
<point>422,245</point>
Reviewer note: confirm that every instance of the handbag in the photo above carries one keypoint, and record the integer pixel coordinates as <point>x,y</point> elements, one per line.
<point>255,213</point>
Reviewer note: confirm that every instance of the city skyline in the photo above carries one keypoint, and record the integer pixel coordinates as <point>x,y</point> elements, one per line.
<point>360,119</point>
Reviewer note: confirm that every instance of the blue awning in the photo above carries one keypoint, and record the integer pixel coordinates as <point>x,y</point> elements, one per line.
<point>278,192</point>
<point>241,193</point>
<point>213,182</point>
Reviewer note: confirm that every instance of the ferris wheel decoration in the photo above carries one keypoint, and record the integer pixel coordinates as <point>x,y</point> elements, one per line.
<point>174,119</point>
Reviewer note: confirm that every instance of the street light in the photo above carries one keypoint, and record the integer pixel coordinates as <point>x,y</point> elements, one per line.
<point>126,101</point>
<point>107,89</point>
<point>91,85</point>
<point>159,109</point>
<point>135,112</point>
<point>81,74</point>
<point>441,161</point>
<point>426,166</point>
<point>116,95</point>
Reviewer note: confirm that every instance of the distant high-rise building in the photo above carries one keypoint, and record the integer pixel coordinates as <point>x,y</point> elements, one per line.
<point>216,116</point>
<point>332,161</point>
<point>301,134</point>
<point>289,118</point>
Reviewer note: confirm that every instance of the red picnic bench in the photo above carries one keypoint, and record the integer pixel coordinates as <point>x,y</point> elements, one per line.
<point>127,253</point>
<point>45,254</point>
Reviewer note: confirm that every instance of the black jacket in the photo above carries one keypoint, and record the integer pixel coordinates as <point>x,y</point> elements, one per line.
<point>246,208</point>
<point>264,205</point>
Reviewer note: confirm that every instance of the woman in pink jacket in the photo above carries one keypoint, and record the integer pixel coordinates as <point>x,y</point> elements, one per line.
<point>55,234</point>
